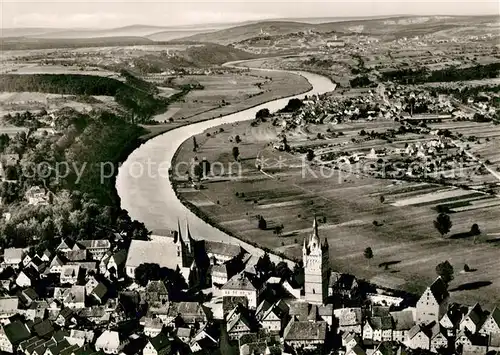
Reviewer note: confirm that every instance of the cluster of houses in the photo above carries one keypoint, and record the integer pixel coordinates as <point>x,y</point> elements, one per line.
<point>81,299</point>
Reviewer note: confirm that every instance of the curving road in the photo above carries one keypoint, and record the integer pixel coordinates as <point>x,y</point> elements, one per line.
<point>144,186</point>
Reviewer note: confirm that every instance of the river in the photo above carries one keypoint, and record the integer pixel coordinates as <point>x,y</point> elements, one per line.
<point>144,186</point>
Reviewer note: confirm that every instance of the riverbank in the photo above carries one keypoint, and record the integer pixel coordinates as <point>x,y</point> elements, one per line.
<point>149,196</point>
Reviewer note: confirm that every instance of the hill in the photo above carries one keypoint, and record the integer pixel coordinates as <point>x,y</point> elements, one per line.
<point>20,43</point>
<point>214,54</point>
<point>389,27</point>
<point>240,33</point>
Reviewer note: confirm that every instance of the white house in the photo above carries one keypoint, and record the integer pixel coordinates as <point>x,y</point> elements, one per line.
<point>110,342</point>
<point>244,285</point>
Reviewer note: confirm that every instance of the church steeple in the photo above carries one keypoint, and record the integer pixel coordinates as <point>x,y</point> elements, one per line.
<point>190,238</point>
<point>314,241</point>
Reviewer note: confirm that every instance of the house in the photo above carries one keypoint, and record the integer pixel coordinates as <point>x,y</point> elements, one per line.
<point>451,320</point>
<point>27,277</point>
<point>343,285</point>
<point>110,342</point>
<point>244,284</point>
<point>350,340</point>
<point>13,257</point>
<point>42,328</point>
<point>28,296</point>
<point>12,334</point>
<point>96,248</point>
<point>419,337</point>
<point>325,312</point>
<point>37,196</point>
<point>240,322</point>
<point>152,327</point>
<point>95,314</point>
<point>466,342</point>
<point>56,265</point>
<point>156,292</point>
<point>473,320</point>
<point>191,313</point>
<point>8,307</point>
<point>272,317</point>
<point>220,274</point>
<point>305,333</point>
<point>100,292</point>
<point>184,334</point>
<point>433,304</point>
<point>159,345</point>
<point>222,252</point>
<point>74,297</point>
<point>349,320</point>
<point>80,337</point>
<point>492,323</point>
<point>378,329</point>
<point>116,264</point>
<point>403,321</point>
<point>37,263</point>
<point>90,284</point>
<point>207,338</point>
<point>65,246</point>
<point>70,274</point>
<point>439,337</point>
<point>65,318</point>
<point>356,350</point>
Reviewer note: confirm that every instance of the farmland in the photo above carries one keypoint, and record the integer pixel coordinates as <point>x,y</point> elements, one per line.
<point>223,94</point>
<point>289,192</point>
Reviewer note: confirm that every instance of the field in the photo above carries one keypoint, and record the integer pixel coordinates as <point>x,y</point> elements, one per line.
<point>400,230</point>
<point>227,93</point>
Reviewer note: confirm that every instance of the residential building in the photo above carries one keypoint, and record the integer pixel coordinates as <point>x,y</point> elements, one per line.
<point>273,317</point>
<point>159,345</point>
<point>69,274</point>
<point>378,329</point>
<point>110,342</point>
<point>403,321</point>
<point>305,334</point>
<point>96,248</point>
<point>439,338</point>
<point>12,334</point>
<point>473,320</point>
<point>492,323</point>
<point>433,304</point>
<point>316,267</point>
<point>349,320</point>
<point>8,307</point>
<point>245,285</point>
<point>222,252</point>
<point>13,257</point>
<point>419,337</point>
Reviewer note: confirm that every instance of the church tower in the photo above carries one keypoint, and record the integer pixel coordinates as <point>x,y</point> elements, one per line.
<point>316,267</point>
<point>184,252</point>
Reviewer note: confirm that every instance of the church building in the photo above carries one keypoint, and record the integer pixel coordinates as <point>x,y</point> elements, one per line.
<point>316,267</point>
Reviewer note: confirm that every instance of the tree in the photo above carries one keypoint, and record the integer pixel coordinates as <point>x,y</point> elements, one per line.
<point>237,139</point>
<point>262,114</point>
<point>195,144</point>
<point>146,272</point>
<point>368,254</point>
<point>278,230</point>
<point>310,155</point>
<point>262,223</point>
<point>282,270</point>
<point>475,231</point>
<point>236,153</point>
<point>443,223</point>
<point>445,271</point>
<point>264,265</point>
<point>382,199</point>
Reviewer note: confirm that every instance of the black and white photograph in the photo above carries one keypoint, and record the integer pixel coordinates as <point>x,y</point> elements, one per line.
<point>250,177</point>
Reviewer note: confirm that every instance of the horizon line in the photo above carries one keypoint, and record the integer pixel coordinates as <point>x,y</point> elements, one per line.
<point>237,23</point>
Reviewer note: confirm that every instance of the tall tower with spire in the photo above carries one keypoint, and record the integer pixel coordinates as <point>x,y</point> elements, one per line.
<point>316,267</point>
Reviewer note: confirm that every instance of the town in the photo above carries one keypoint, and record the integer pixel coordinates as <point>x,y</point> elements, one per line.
<point>174,294</point>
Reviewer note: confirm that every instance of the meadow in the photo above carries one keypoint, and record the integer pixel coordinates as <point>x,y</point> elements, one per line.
<point>400,229</point>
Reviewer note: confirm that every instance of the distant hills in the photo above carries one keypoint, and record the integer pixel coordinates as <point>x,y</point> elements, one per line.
<point>224,34</point>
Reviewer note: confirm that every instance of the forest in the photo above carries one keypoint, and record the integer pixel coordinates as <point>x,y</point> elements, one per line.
<point>135,95</point>
<point>67,166</point>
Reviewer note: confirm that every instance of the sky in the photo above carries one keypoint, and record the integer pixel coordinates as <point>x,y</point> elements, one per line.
<point>117,13</point>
